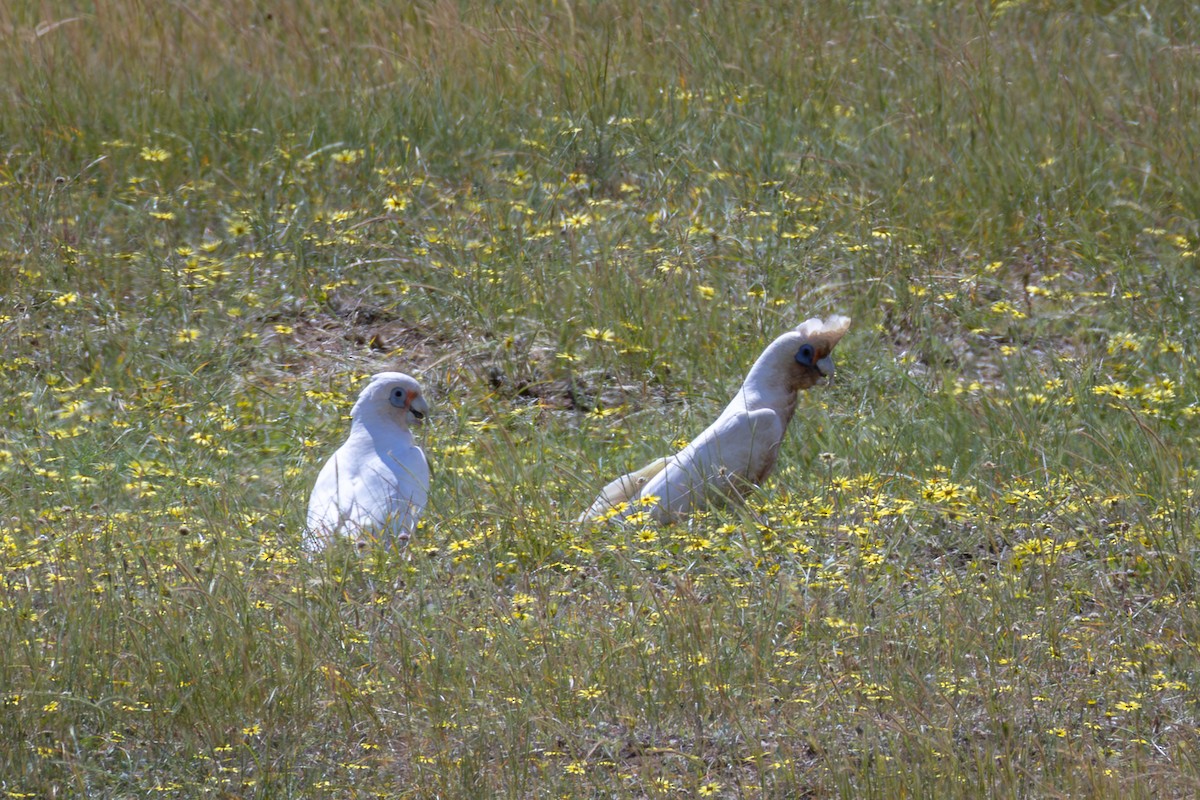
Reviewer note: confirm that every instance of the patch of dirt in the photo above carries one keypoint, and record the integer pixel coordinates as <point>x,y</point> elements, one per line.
<point>946,347</point>
<point>521,369</point>
<point>529,371</point>
<point>372,337</point>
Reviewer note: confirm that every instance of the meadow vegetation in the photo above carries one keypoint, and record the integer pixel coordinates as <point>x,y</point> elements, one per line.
<point>972,575</point>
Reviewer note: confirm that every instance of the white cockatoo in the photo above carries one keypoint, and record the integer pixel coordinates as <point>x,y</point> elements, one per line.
<point>739,449</point>
<point>375,486</point>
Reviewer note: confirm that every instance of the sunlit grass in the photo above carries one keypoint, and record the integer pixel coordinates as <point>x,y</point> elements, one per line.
<point>972,574</point>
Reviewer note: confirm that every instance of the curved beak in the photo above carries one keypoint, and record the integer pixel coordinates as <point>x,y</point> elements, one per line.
<point>825,366</point>
<point>419,408</point>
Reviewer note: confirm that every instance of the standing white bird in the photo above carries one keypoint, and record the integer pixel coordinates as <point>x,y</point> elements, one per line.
<point>375,486</point>
<point>739,449</point>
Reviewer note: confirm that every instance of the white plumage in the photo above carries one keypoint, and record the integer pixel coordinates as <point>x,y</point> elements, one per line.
<point>739,449</point>
<point>375,486</point>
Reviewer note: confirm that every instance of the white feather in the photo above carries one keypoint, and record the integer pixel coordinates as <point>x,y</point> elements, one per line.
<point>623,489</point>
<point>375,486</point>
<point>739,449</point>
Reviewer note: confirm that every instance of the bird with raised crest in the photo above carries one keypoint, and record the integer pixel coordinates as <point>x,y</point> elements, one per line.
<point>739,450</point>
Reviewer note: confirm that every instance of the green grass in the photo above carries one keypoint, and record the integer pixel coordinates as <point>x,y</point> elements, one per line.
<point>972,574</point>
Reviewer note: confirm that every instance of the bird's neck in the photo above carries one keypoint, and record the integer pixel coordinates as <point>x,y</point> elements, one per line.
<point>766,388</point>
<point>381,428</point>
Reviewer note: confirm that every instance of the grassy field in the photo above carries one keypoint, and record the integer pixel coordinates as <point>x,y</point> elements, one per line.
<point>972,575</point>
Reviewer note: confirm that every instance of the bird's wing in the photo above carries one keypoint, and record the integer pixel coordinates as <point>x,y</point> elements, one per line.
<point>718,464</point>
<point>361,491</point>
<point>765,430</point>
<point>622,489</point>
<point>325,516</point>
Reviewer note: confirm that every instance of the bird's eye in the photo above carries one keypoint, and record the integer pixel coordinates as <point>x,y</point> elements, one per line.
<point>805,355</point>
<point>398,398</point>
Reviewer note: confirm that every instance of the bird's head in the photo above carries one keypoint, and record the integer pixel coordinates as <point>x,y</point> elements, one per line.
<point>395,396</point>
<point>805,354</point>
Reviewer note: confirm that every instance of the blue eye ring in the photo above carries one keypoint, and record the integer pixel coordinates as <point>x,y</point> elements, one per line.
<point>806,355</point>
<point>399,398</point>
